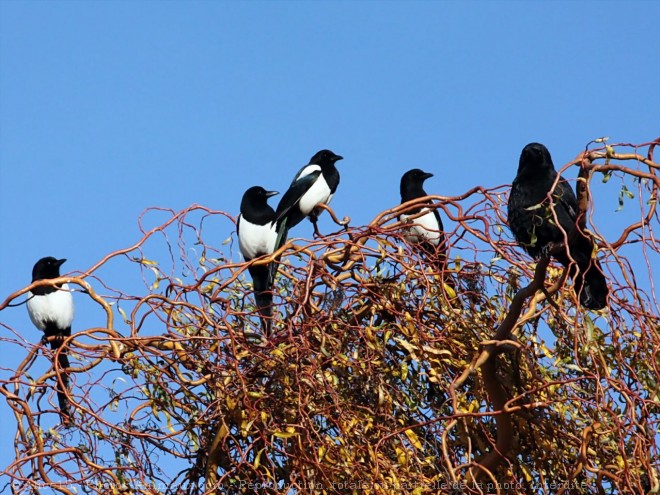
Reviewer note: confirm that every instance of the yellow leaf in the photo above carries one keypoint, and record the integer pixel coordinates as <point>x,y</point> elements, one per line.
<point>528,475</point>
<point>245,427</point>
<point>404,370</point>
<point>407,346</point>
<point>620,462</point>
<point>284,434</point>
<point>414,439</point>
<point>381,395</point>
<point>276,353</point>
<point>169,422</point>
<point>546,351</point>
<point>436,352</point>
<point>451,293</point>
<point>401,456</point>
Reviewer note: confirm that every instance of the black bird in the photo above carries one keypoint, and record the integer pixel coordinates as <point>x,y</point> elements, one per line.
<point>51,310</point>
<point>257,235</point>
<point>532,222</point>
<point>315,183</point>
<point>426,230</point>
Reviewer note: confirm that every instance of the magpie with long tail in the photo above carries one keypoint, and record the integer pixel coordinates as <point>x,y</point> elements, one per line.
<point>538,223</point>
<point>257,235</point>
<point>314,184</point>
<point>426,230</point>
<point>50,308</point>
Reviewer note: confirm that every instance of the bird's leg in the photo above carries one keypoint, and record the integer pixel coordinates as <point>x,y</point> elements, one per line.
<point>551,248</point>
<point>314,219</point>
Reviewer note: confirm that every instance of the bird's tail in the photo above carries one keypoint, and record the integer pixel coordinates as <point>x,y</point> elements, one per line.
<point>282,227</point>
<point>588,280</point>
<point>263,293</point>
<point>62,377</point>
<point>591,286</point>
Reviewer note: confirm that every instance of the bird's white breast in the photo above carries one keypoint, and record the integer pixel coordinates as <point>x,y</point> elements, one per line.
<point>56,307</point>
<point>424,229</point>
<point>256,240</point>
<point>318,193</point>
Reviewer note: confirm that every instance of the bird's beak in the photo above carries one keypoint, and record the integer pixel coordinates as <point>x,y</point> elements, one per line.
<point>270,194</point>
<point>337,158</point>
<point>59,263</point>
<point>427,175</point>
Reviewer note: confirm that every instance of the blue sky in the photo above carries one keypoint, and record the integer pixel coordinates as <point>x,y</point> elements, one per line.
<point>110,107</point>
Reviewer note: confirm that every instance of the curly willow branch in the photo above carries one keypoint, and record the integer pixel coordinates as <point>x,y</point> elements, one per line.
<point>386,372</point>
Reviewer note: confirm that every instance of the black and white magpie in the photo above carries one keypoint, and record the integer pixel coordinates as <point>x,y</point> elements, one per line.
<point>315,183</point>
<point>537,223</point>
<point>426,230</point>
<point>51,310</point>
<point>257,235</point>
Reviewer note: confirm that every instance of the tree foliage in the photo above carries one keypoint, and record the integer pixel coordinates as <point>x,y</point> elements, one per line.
<point>380,377</point>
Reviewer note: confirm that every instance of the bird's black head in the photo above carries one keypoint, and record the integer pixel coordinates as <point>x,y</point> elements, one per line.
<point>535,156</point>
<point>325,158</point>
<point>412,184</point>
<point>256,197</point>
<point>48,267</point>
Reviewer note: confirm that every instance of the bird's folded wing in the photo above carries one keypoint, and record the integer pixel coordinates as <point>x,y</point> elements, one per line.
<point>298,188</point>
<point>305,170</point>
<point>566,199</point>
<point>437,218</point>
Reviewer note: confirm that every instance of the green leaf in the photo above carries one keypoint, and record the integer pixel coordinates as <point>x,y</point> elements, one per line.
<point>589,326</point>
<point>629,194</point>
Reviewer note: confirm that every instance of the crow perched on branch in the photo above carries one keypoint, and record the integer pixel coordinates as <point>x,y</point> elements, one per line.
<point>537,228</point>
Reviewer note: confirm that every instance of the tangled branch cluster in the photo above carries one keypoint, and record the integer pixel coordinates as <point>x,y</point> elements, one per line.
<point>380,376</point>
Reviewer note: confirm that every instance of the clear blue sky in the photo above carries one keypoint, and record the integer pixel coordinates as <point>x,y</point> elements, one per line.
<point>109,107</point>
